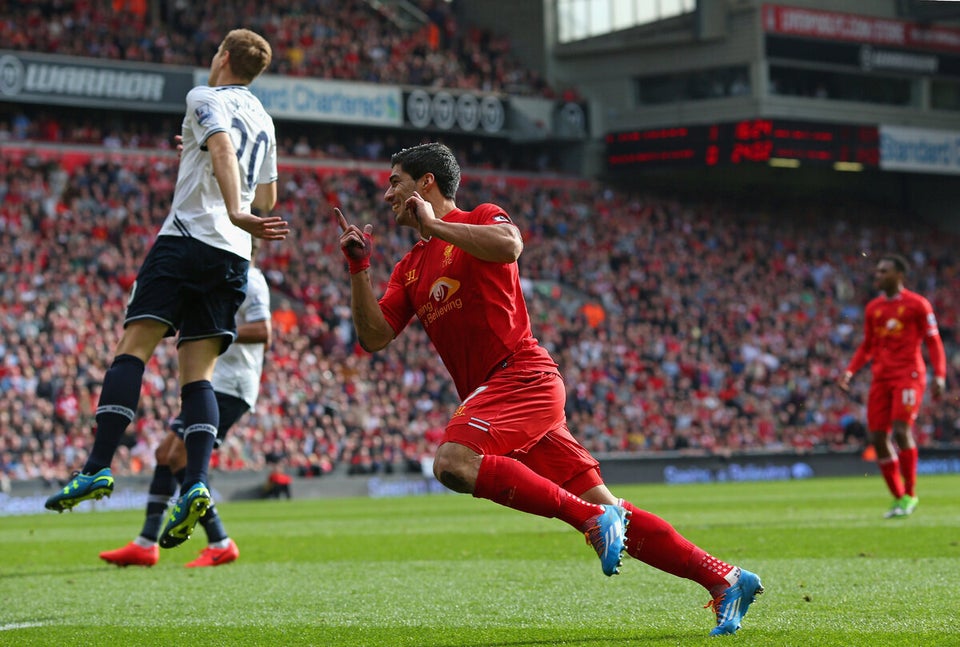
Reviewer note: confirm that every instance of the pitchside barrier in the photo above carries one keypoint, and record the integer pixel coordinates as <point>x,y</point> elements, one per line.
<point>27,497</point>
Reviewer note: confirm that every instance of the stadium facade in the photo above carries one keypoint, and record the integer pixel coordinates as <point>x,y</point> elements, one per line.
<point>856,97</point>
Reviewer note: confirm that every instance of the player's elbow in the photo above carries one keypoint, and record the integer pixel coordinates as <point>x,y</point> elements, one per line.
<point>374,340</point>
<point>265,198</point>
<point>510,247</point>
<point>266,203</point>
<point>516,249</point>
<point>371,346</point>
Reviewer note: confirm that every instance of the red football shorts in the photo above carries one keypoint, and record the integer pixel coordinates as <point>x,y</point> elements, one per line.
<point>520,414</point>
<point>894,400</point>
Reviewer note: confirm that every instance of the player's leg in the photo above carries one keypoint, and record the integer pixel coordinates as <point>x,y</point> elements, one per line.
<point>655,542</point>
<point>200,416</point>
<point>116,409</point>
<point>888,461</point>
<point>906,408</point>
<point>143,551</point>
<point>880,403</point>
<point>221,549</point>
<point>649,538</point>
<point>216,287</point>
<point>510,483</point>
<point>506,416</point>
<point>907,455</point>
<point>150,317</point>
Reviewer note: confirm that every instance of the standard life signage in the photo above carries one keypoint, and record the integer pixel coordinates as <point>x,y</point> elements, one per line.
<point>39,78</point>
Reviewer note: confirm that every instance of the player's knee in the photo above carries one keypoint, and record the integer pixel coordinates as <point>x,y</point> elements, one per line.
<point>453,480</point>
<point>456,470</point>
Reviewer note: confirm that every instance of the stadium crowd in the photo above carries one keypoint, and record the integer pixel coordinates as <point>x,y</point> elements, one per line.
<point>149,132</point>
<point>687,325</point>
<point>322,39</point>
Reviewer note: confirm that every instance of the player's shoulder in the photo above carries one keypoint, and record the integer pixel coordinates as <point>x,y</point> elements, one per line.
<point>201,93</point>
<point>916,298</point>
<point>877,303</point>
<point>201,102</point>
<point>489,212</point>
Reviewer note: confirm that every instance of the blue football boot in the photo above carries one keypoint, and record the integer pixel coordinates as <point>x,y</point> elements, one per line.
<point>81,488</point>
<point>188,510</point>
<point>731,605</point>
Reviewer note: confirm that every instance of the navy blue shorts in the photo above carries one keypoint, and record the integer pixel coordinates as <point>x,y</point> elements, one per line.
<point>192,287</point>
<point>231,409</point>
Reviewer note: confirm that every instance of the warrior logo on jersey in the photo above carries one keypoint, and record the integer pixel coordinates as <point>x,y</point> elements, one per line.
<point>443,288</point>
<point>410,277</point>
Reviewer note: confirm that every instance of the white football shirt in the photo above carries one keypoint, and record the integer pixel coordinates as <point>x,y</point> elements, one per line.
<point>238,370</point>
<point>198,210</point>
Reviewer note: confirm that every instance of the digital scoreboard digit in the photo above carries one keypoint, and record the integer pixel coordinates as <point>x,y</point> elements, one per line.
<point>751,141</point>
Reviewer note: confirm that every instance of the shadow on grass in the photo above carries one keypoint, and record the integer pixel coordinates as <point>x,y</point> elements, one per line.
<point>593,641</point>
<point>58,572</point>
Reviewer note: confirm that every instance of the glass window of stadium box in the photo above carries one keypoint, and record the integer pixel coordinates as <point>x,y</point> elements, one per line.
<point>578,19</point>
<point>714,83</point>
<point>840,86</point>
<point>944,95</point>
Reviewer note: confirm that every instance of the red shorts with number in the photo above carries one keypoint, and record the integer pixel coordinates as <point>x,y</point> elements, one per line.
<point>894,400</point>
<point>519,413</point>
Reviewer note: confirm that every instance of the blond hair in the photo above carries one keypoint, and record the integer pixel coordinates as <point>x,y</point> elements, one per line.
<point>250,53</point>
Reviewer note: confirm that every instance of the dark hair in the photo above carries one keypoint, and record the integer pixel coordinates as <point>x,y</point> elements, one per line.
<point>899,262</point>
<point>250,53</point>
<point>433,158</point>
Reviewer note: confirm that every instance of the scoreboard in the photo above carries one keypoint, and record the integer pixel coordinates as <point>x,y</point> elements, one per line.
<point>752,141</point>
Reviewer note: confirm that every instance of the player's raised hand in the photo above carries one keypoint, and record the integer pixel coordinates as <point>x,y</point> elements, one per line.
<point>268,228</point>
<point>356,245</point>
<point>417,213</point>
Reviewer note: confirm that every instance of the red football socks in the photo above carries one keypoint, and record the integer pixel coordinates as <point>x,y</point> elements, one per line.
<point>649,538</point>
<point>510,483</point>
<point>890,469</point>
<point>908,470</point>
<point>655,542</point>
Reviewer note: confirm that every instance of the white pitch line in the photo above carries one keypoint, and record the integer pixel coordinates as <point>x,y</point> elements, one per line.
<point>20,625</point>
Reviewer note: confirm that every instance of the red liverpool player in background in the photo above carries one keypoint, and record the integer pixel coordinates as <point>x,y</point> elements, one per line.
<point>894,325</point>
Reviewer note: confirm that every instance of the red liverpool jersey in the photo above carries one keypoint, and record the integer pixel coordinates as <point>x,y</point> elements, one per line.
<point>472,310</point>
<point>893,330</point>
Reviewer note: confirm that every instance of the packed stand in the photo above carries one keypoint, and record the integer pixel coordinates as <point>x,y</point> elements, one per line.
<point>319,143</point>
<point>320,39</point>
<point>680,325</point>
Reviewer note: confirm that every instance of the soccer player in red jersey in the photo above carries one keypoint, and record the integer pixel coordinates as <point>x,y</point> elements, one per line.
<point>508,440</point>
<point>894,325</point>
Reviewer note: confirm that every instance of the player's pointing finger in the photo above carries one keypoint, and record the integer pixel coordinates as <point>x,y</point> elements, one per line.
<point>340,219</point>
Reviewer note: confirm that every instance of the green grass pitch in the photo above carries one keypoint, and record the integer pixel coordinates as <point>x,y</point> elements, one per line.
<point>449,570</point>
